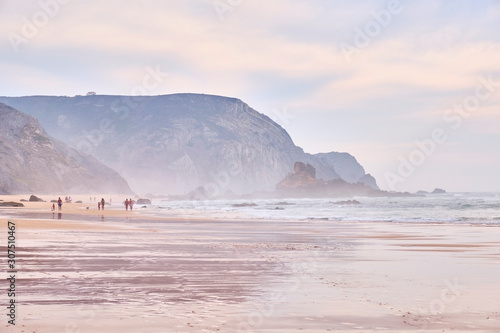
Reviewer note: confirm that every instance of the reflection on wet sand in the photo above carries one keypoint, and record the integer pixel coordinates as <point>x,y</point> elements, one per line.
<point>140,275</point>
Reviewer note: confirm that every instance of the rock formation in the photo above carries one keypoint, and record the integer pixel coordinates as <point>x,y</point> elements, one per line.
<point>304,176</point>
<point>347,167</point>
<point>143,202</point>
<point>34,198</point>
<point>303,183</point>
<point>11,204</point>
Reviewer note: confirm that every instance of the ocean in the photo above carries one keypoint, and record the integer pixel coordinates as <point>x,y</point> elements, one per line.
<point>450,208</point>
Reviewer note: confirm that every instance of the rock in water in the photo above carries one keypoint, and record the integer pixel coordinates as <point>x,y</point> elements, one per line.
<point>144,202</point>
<point>303,183</point>
<point>245,204</point>
<point>347,202</point>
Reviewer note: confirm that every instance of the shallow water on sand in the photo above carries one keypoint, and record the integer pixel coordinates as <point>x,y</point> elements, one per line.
<point>258,276</point>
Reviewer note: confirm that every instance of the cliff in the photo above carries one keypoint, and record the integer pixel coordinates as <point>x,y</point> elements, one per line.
<point>33,162</point>
<point>172,144</point>
<point>303,183</point>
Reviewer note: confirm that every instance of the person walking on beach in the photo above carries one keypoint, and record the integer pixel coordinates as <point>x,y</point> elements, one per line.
<point>102,203</point>
<point>59,203</point>
<point>126,204</point>
<point>99,205</point>
<point>131,203</point>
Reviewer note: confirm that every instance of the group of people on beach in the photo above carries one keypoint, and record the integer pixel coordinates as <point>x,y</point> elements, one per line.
<point>101,204</point>
<point>59,204</point>
<point>95,199</point>
<point>129,203</point>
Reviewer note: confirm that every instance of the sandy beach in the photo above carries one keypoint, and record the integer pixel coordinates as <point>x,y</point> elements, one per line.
<point>84,270</point>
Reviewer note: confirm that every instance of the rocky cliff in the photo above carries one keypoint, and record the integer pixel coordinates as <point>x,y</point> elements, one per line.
<point>303,183</point>
<point>173,144</point>
<point>347,167</point>
<point>304,175</point>
<point>31,161</point>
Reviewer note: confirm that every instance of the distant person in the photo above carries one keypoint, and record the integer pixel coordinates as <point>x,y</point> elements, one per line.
<point>59,203</point>
<point>126,204</point>
<point>99,205</point>
<point>110,201</point>
<point>102,203</point>
<point>53,207</point>
<point>131,203</point>
<point>90,199</point>
<point>70,199</point>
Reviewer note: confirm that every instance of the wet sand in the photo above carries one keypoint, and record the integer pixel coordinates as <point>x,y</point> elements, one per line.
<point>117,271</point>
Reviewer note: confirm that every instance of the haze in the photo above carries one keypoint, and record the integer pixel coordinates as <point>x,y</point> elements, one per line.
<point>410,88</point>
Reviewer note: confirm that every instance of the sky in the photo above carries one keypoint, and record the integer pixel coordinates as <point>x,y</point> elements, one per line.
<point>410,88</point>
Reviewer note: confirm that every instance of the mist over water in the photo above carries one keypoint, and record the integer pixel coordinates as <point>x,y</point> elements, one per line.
<point>454,208</point>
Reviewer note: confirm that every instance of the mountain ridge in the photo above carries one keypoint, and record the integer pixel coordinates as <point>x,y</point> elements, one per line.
<point>176,143</point>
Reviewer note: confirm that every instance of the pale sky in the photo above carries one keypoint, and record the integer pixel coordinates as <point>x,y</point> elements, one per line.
<point>367,77</point>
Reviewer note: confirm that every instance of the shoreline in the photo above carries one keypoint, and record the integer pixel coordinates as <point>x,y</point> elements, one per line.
<point>455,210</point>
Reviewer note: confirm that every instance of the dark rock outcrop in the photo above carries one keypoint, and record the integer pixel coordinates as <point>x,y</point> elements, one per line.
<point>143,202</point>
<point>11,204</point>
<point>303,183</point>
<point>304,175</point>
<point>245,204</point>
<point>347,202</point>
<point>34,198</point>
<point>32,161</point>
<point>438,191</point>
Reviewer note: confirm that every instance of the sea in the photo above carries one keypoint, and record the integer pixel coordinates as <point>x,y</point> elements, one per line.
<point>448,208</point>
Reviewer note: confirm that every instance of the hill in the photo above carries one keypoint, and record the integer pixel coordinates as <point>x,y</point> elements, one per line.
<point>172,144</point>
<point>33,162</point>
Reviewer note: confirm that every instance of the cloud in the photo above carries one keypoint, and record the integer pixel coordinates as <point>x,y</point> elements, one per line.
<point>273,54</point>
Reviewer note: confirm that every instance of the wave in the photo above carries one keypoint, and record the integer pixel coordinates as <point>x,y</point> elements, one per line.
<point>453,209</point>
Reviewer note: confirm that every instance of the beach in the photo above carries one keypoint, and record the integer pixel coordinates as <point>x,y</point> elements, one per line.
<point>88,270</point>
